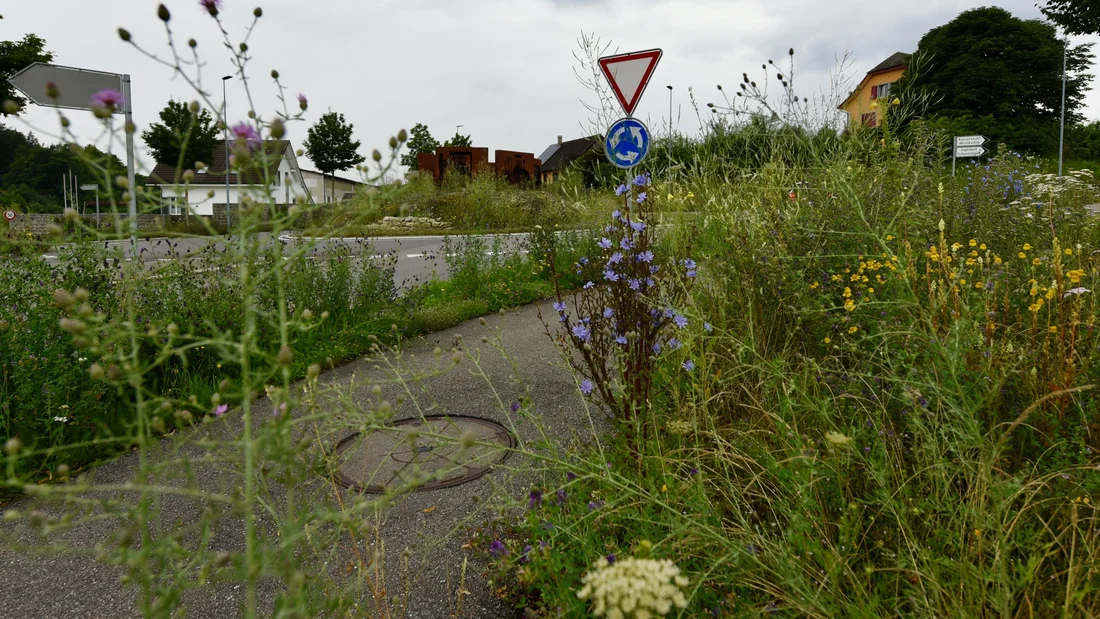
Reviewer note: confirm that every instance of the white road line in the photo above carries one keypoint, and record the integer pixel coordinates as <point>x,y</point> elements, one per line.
<point>414,255</point>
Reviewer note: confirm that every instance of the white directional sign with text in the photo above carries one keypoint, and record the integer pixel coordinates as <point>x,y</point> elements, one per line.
<point>969,151</point>
<point>628,75</point>
<point>969,140</point>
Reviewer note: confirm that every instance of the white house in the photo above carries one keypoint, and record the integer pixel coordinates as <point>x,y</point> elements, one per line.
<point>330,188</point>
<point>280,181</point>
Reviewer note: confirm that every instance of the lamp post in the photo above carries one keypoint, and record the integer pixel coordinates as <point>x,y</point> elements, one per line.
<point>669,87</point>
<point>1062,122</point>
<point>225,124</point>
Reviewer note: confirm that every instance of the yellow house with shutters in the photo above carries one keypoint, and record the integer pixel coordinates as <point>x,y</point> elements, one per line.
<point>879,83</point>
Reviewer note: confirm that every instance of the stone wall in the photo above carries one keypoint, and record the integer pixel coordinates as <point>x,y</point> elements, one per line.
<point>396,224</point>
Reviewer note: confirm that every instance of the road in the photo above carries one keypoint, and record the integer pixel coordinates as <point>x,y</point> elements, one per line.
<point>418,257</point>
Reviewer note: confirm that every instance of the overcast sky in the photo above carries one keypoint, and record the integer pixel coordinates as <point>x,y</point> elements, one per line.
<point>503,69</point>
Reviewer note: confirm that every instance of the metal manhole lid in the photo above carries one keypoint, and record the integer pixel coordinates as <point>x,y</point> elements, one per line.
<point>419,449</point>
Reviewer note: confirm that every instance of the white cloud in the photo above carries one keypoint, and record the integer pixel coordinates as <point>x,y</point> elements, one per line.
<point>502,69</point>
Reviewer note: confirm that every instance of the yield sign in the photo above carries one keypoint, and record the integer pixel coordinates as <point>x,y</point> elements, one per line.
<point>629,74</point>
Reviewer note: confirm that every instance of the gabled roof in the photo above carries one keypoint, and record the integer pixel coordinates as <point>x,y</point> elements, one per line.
<point>894,61</point>
<point>567,152</point>
<point>273,150</point>
<point>339,178</point>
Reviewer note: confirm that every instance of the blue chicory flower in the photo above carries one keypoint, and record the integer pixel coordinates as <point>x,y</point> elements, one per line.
<point>673,343</point>
<point>604,243</point>
<point>689,365</point>
<point>587,386</point>
<point>642,196</point>
<point>626,244</point>
<point>706,325</point>
<point>616,214</point>
<point>559,306</point>
<point>656,348</point>
<point>621,189</point>
<point>634,284</point>
<point>641,180</point>
<point>638,225</point>
<point>615,258</point>
<point>620,339</point>
<point>646,256</point>
<point>610,275</point>
<point>689,263</point>
<point>588,285</point>
<point>680,321</point>
<point>581,332</point>
<point>608,312</point>
<point>690,273</point>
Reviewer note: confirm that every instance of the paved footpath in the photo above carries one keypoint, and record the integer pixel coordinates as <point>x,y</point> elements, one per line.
<point>429,524</point>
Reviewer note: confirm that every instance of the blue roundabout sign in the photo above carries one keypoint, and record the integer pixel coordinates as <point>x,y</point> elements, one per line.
<point>627,142</point>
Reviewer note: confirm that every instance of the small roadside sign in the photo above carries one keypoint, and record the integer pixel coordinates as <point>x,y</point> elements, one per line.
<point>9,215</point>
<point>628,75</point>
<point>969,140</point>
<point>969,151</point>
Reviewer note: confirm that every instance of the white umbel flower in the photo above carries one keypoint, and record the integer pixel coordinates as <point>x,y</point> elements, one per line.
<point>637,588</point>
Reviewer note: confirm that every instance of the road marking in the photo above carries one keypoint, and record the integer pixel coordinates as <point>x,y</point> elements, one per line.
<point>289,237</point>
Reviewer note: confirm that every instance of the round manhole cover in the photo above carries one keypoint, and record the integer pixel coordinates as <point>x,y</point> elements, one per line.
<point>419,449</point>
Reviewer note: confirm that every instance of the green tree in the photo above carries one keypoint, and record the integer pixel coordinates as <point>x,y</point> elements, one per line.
<point>182,137</point>
<point>987,68</point>
<point>459,141</point>
<point>14,56</point>
<point>420,141</point>
<point>1074,16</point>
<point>330,146</point>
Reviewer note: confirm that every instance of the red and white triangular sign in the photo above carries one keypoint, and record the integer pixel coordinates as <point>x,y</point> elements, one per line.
<point>629,74</point>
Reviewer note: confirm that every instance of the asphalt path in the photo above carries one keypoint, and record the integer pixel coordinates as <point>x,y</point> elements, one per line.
<point>417,257</point>
<point>428,567</point>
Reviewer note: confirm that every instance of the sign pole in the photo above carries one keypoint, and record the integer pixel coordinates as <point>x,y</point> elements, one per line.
<point>954,145</point>
<point>130,180</point>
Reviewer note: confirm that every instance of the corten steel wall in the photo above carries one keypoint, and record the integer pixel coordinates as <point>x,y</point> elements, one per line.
<point>518,168</point>
<point>467,161</point>
<point>428,163</point>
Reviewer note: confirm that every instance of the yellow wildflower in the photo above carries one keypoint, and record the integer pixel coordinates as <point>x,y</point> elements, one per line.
<point>973,243</point>
<point>962,281</point>
<point>828,340</point>
<point>956,246</point>
<point>889,237</point>
<point>849,305</point>
<point>982,247</point>
<point>977,284</point>
<point>1027,246</point>
<point>1036,262</point>
<point>813,286</point>
<point>870,291</point>
<point>691,195</point>
<point>847,292</point>
<point>997,260</point>
<point>853,329</point>
<point>896,101</point>
<point>1034,291</point>
<point>1050,294</point>
<point>1053,329</point>
<point>1069,252</point>
<point>1021,255</point>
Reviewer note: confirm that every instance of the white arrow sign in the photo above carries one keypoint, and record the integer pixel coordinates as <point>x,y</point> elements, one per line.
<point>969,151</point>
<point>75,87</point>
<point>969,140</point>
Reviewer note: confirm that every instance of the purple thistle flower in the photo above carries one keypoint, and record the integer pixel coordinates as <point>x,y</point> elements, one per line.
<point>634,284</point>
<point>581,332</point>
<point>543,544</point>
<point>588,285</point>
<point>220,410</point>
<point>604,243</point>
<point>212,7</point>
<point>680,321</point>
<point>608,312</point>
<point>615,258</point>
<point>621,189</point>
<point>534,499</point>
<point>611,558</point>
<point>303,103</point>
<point>641,197</point>
<point>497,549</point>
<point>689,365</point>
<point>247,133</point>
<point>106,102</point>
<point>693,472</point>
<point>587,386</point>
<point>515,406</point>
<point>646,256</point>
<point>620,339</point>
<point>610,275</point>
<point>594,505</point>
<point>559,306</point>
<point>570,476</point>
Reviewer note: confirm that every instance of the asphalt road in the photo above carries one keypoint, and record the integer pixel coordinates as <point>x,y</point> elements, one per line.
<point>429,528</point>
<point>417,256</point>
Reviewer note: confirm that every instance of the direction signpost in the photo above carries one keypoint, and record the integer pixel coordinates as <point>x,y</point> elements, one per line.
<point>72,88</point>
<point>966,146</point>
<point>627,141</point>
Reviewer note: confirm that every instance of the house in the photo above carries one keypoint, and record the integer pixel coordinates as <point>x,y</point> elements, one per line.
<point>557,157</point>
<point>282,172</point>
<point>862,105</point>
<point>330,188</point>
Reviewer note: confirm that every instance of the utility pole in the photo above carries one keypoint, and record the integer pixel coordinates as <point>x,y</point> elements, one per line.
<point>225,132</point>
<point>1062,123</point>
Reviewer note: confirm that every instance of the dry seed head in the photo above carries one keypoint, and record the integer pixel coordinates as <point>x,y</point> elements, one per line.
<point>285,356</point>
<point>13,445</point>
<point>96,371</point>
<point>163,14</point>
<point>124,34</point>
<point>62,299</point>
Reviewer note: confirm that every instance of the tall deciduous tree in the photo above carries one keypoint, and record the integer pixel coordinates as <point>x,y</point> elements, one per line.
<point>1073,16</point>
<point>182,137</point>
<point>330,146</point>
<point>14,56</point>
<point>420,141</point>
<point>1001,74</point>
<point>459,141</point>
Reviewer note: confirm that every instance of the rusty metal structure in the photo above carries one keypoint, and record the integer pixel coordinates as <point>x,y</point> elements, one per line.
<point>515,167</point>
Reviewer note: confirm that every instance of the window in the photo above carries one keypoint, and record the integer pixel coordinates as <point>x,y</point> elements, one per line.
<point>881,90</point>
<point>868,120</point>
<point>173,205</point>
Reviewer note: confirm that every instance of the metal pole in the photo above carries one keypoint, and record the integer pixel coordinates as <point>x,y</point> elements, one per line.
<point>225,124</point>
<point>97,209</point>
<point>76,195</point>
<point>954,142</point>
<point>64,190</point>
<point>1062,122</point>
<point>670,139</point>
<point>128,101</point>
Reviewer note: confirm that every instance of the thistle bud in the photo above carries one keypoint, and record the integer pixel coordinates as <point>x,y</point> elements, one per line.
<point>188,176</point>
<point>51,90</point>
<point>313,371</point>
<point>790,52</point>
<point>402,136</point>
<point>243,47</point>
<point>124,34</point>
<point>285,357</point>
<point>65,122</point>
<point>122,182</point>
<point>377,156</point>
<point>74,327</point>
<point>81,294</point>
<point>192,43</point>
<point>393,142</point>
<point>278,129</point>
<point>274,74</point>
<point>163,14</point>
<point>258,12</point>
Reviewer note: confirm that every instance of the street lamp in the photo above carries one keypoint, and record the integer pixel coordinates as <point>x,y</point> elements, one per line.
<point>1062,122</point>
<point>669,137</point>
<point>225,124</point>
